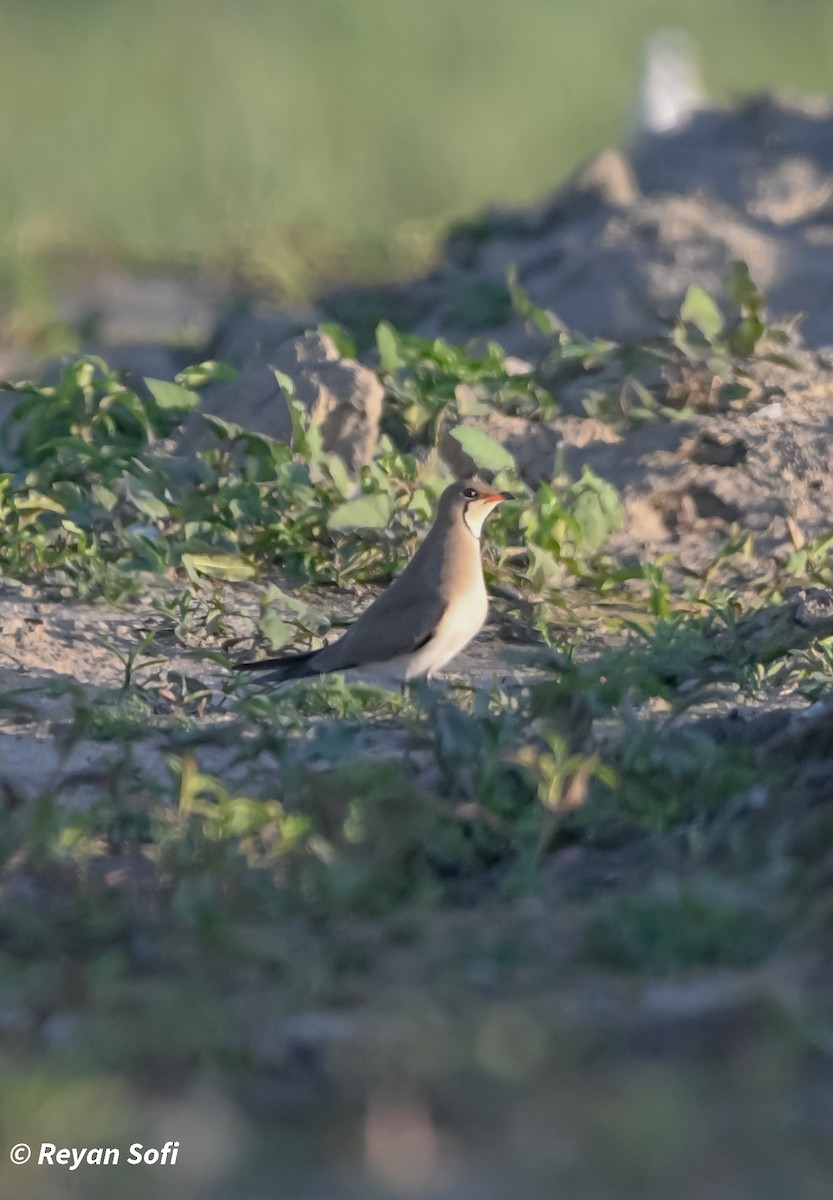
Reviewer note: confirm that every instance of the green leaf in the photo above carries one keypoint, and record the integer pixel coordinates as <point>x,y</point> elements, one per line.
<point>103,496</point>
<point>644,394</point>
<point>544,567</point>
<point>339,474</point>
<point>285,382</point>
<point>387,343</point>
<point>782,360</point>
<point>170,396</point>
<point>73,527</point>
<point>366,512</point>
<point>587,352</point>
<point>733,391</point>
<point>698,309</point>
<point>200,374</point>
<point>523,305</point>
<point>742,288</point>
<point>746,336</point>
<point>308,615</point>
<point>38,503</point>
<point>227,430</point>
<point>596,510</point>
<point>488,454</point>
<point>274,629</point>
<point>306,436</point>
<point>218,566</point>
<point>146,502</point>
<point>344,342</point>
<point>420,504</point>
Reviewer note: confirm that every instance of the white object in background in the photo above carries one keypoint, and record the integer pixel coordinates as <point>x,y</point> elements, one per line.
<point>771,412</point>
<point>670,85</point>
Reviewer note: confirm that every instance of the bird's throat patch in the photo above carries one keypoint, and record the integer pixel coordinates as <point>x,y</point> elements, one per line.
<point>474,519</point>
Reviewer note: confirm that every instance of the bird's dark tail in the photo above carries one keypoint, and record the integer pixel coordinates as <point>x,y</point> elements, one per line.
<point>287,666</point>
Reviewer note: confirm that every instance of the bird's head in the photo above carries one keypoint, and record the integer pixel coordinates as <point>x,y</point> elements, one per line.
<point>470,501</point>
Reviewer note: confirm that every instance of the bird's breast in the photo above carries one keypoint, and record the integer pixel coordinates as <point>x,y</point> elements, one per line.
<point>462,620</point>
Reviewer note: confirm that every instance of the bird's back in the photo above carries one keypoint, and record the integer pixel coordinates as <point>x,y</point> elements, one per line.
<point>444,573</point>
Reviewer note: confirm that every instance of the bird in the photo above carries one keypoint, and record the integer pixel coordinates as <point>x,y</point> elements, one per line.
<point>427,615</point>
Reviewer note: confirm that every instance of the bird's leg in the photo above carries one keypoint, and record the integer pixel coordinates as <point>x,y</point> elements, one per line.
<point>427,692</point>
<point>420,691</point>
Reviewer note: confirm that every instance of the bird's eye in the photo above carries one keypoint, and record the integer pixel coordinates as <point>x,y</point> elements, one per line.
<point>470,493</point>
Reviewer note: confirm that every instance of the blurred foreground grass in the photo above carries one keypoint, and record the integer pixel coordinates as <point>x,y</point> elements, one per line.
<point>312,137</point>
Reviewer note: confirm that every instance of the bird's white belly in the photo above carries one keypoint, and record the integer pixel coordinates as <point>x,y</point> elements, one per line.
<point>460,623</point>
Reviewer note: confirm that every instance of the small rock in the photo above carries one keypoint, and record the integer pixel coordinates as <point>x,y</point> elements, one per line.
<point>531,444</point>
<point>517,366</point>
<point>343,397</point>
<point>771,412</point>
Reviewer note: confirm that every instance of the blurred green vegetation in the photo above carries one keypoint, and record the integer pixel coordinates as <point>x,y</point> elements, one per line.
<point>567,935</point>
<point>309,137</point>
<point>669,908</point>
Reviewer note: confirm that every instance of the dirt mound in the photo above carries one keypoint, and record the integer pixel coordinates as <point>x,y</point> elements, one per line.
<point>613,252</point>
<point>610,255</point>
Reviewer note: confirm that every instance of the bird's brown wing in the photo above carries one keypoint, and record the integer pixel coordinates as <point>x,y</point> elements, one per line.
<point>396,623</point>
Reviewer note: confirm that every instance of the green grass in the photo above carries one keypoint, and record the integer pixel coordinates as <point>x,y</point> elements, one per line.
<point>93,509</point>
<point>284,136</point>
<point>515,855</point>
<point>502,866</point>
